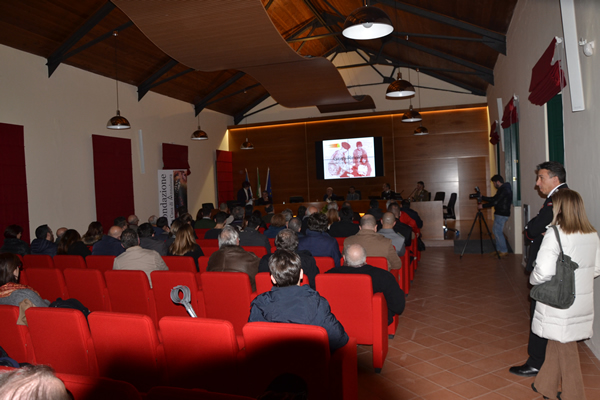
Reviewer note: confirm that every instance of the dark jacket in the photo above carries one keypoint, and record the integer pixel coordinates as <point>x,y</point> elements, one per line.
<point>309,265</point>
<point>79,249</point>
<point>343,228</point>
<point>273,231</point>
<point>298,305</point>
<point>375,212</point>
<point>213,233</point>
<point>234,259</point>
<point>204,223</point>
<point>501,201</point>
<point>150,243</point>
<point>15,246</point>
<point>320,244</point>
<point>43,246</point>
<point>195,254</point>
<point>108,246</point>
<point>252,237</point>
<point>383,282</point>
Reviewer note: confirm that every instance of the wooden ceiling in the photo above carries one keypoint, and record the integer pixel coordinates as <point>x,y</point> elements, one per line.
<point>455,41</point>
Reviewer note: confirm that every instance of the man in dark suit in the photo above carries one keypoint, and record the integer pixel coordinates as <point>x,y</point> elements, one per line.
<point>250,236</point>
<point>375,211</point>
<point>344,227</point>
<point>551,176</point>
<point>387,193</point>
<point>244,195</point>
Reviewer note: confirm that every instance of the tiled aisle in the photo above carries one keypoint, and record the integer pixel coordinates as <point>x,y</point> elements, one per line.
<point>466,322</point>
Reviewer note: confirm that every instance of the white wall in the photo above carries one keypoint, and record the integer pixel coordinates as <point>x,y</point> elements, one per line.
<point>60,114</point>
<point>534,24</point>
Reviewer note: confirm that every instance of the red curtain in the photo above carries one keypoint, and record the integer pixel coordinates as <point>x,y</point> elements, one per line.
<point>494,138</point>
<point>225,176</point>
<point>510,115</point>
<point>547,79</point>
<point>175,157</point>
<point>113,179</point>
<point>14,208</point>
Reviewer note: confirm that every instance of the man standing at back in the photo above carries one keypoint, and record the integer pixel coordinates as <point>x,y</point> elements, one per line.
<point>136,258</point>
<point>551,176</point>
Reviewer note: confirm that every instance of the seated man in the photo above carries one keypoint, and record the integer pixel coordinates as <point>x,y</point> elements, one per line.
<point>295,225</point>
<point>132,221</point>
<point>344,227</point>
<point>401,227</point>
<point>318,241</point>
<point>405,209</point>
<point>265,199</point>
<point>110,245</point>
<point>291,303</point>
<point>44,241</point>
<point>162,227</point>
<point>121,222</point>
<point>59,234</point>
<point>355,262</point>
<point>376,245</point>
<point>352,194</point>
<point>419,193</point>
<point>238,217</point>
<point>250,236</point>
<point>148,240</point>
<point>136,258</point>
<point>220,221</point>
<point>309,211</point>
<point>270,211</point>
<point>232,258</point>
<point>288,240</point>
<point>375,211</point>
<point>387,193</point>
<point>205,222</point>
<point>387,230</point>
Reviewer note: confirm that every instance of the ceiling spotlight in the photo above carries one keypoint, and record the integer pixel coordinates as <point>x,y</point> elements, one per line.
<point>400,88</point>
<point>366,23</point>
<point>199,134</point>
<point>411,115</point>
<point>247,145</point>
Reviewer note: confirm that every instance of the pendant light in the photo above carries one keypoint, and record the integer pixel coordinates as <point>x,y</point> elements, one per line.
<point>199,134</point>
<point>367,23</point>
<point>400,88</point>
<point>117,122</point>
<point>411,115</point>
<point>247,145</point>
<point>421,130</point>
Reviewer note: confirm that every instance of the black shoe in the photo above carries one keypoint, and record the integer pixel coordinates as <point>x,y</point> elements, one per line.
<point>535,390</point>
<point>524,370</point>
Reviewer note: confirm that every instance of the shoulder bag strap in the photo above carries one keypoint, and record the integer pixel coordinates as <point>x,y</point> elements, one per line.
<point>562,254</point>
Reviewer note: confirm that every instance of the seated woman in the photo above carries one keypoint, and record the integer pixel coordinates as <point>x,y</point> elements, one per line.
<point>93,234</point>
<point>332,217</point>
<point>12,241</point>
<point>277,225</point>
<point>185,244</point>
<point>71,244</point>
<point>12,293</point>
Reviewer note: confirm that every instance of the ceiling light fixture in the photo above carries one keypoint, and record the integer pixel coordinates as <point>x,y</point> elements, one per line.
<point>117,122</point>
<point>247,145</point>
<point>400,88</point>
<point>421,130</point>
<point>199,134</point>
<point>367,23</point>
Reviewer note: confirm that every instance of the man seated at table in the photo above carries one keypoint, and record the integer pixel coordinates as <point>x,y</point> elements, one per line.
<point>265,199</point>
<point>355,262</point>
<point>387,193</point>
<point>420,194</point>
<point>289,302</point>
<point>375,244</point>
<point>329,196</point>
<point>352,194</point>
<point>318,241</point>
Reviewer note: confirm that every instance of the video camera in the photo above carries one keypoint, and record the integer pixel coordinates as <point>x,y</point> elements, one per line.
<point>476,195</point>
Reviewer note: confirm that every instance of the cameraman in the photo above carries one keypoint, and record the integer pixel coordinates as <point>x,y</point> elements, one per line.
<point>501,203</point>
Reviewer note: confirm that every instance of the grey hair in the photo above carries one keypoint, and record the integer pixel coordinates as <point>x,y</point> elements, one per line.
<point>228,237</point>
<point>333,205</point>
<point>355,255</point>
<point>36,382</point>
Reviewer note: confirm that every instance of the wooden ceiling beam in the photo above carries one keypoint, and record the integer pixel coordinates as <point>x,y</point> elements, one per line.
<point>239,116</point>
<point>320,18</point>
<point>147,84</point>
<point>198,107</point>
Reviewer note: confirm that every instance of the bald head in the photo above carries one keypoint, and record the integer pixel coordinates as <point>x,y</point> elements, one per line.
<point>133,219</point>
<point>388,221</point>
<point>368,222</point>
<point>115,232</point>
<point>311,210</point>
<point>355,256</point>
<point>60,232</point>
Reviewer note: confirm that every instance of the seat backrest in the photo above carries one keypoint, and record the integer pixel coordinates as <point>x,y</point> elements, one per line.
<point>203,263</point>
<point>305,349</point>
<point>48,282</point>
<point>259,251</point>
<point>180,263</point>
<point>379,262</point>
<point>324,264</point>
<point>200,232</point>
<point>37,261</point>
<point>14,338</point>
<point>61,338</point>
<point>163,284</point>
<point>199,352</point>
<point>227,296</point>
<point>263,282</point>
<point>207,243</point>
<point>450,214</point>
<point>439,196</point>
<point>130,292</point>
<point>101,263</point>
<point>127,348</point>
<point>163,392</point>
<point>208,250</point>
<point>93,388</point>
<point>62,262</point>
<point>88,286</point>
<point>340,241</point>
<point>272,242</point>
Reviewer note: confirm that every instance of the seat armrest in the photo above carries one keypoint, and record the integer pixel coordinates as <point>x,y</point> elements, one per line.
<point>343,373</point>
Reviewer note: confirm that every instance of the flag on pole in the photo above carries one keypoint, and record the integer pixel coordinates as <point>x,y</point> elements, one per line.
<point>259,188</point>
<point>268,184</point>
<point>247,179</point>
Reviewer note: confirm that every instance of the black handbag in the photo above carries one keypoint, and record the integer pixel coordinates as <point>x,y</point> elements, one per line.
<point>558,292</point>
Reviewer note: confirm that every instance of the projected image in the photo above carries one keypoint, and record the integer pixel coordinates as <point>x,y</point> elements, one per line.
<point>349,158</point>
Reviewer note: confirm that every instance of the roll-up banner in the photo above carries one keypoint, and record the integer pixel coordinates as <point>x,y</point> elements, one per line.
<point>172,192</point>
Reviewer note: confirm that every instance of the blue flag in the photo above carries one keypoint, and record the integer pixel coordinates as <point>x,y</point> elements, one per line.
<point>247,179</point>
<point>268,184</point>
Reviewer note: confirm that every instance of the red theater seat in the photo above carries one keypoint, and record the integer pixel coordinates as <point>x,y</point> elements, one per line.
<point>15,338</point>
<point>130,292</point>
<point>264,283</point>
<point>164,282</point>
<point>324,264</point>
<point>259,251</point>
<point>163,392</point>
<point>207,243</point>
<point>102,263</point>
<point>379,262</point>
<point>180,263</point>
<point>48,282</point>
<point>37,261</point>
<point>203,263</point>
<point>127,348</point>
<point>61,338</point>
<point>200,353</point>
<point>88,286</point>
<point>208,250</point>
<point>362,313</point>
<point>200,232</point>
<point>92,388</point>
<point>63,262</point>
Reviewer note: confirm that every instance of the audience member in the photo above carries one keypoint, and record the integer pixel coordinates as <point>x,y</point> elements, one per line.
<point>258,214</point>
<point>12,293</point>
<point>148,240</point>
<point>132,221</point>
<point>288,240</point>
<point>355,215</point>
<point>375,211</point>
<point>352,194</point>
<point>175,226</point>
<point>419,193</point>
<point>355,262</point>
<point>317,241</point>
<point>186,218</point>
<point>248,210</point>
<point>295,225</point>
<point>94,233</point>
<point>71,244</point>
<point>121,222</point>
<point>301,212</point>
<point>163,224</point>
<point>288,214</point>
<point>110,245</point>
<point>152,220</point>
<point>44,241</point>
<point>265,199</point>
<point>220,220</point>
<point>332,206</point>
<point>136,258</point>
<point>400,227</point>
<point>250,236</point>
<point>32,382</point>
<point>405,209</point>
<point>232,258</point>
<point>387,193</point>
<point>332,217</point>
<point>270,211</point>
<point>289,302</point>
<point>203,219</point>
<point>388,221</point>
<point>59,234</point>
<point>309,211</point>
<point>344,227</point>
<point>376,245</point>
<point>12,241</point>
<point>238,217</point>
<point>185,244</point>
<point>277,225</point>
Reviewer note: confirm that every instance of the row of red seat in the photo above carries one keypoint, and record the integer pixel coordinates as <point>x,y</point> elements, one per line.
<point>187,353</point>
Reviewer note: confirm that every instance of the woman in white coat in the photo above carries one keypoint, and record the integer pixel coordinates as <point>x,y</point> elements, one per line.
<point>563,328</point>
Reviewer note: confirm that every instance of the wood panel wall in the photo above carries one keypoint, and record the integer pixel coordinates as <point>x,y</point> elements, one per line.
<point>452,158</point>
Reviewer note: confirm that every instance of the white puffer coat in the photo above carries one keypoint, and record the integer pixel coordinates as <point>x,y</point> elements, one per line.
<point>574,323</point>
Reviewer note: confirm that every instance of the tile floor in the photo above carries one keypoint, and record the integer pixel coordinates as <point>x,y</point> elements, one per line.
<point>466,322</point>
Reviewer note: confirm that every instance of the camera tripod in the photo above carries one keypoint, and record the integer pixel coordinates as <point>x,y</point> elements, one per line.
<point>479,217</point>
